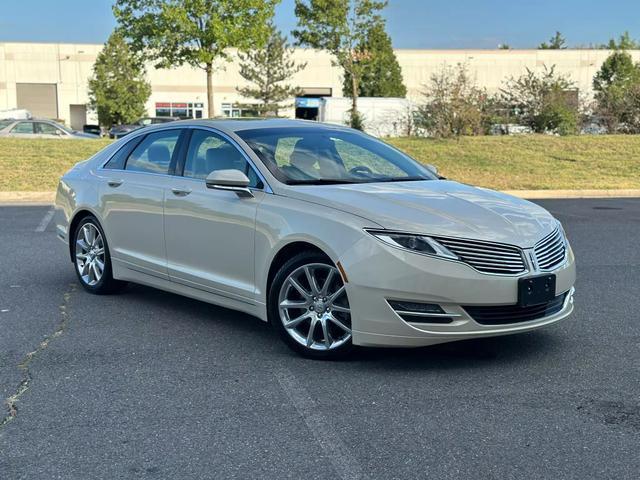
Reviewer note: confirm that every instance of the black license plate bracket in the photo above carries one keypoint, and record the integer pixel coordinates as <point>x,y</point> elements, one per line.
<point>536,290</point>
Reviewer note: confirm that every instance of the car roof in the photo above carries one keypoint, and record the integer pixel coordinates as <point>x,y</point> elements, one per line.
<point>238,125</point>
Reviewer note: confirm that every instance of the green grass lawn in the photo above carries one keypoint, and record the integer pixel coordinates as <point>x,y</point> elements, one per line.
<point>504,163</point>
<point>533,162</point>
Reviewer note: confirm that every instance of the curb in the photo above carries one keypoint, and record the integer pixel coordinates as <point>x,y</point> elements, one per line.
<point>49,197</point>
<point>27,197</point>
<point>559,194</point>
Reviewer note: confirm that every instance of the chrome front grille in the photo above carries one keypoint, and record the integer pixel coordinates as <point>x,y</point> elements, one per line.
<point>487,257</point>
<point>551,251</point>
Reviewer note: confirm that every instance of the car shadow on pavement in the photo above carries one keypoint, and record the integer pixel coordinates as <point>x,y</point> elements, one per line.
<point>479,352</point>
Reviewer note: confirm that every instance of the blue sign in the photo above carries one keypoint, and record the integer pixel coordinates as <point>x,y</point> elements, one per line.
<point>304,102</point>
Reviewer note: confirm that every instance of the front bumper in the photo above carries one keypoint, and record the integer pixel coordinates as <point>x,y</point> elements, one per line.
<point>377,273</point>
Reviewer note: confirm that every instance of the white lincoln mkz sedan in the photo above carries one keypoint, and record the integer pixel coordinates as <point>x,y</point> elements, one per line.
<point>332,236</point>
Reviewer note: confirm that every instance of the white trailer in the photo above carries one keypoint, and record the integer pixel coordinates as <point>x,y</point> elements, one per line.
<point>15,114</point>
<point>382,117</point>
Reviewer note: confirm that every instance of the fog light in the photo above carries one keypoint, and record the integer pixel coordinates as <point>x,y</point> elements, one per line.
<point>415,312</point>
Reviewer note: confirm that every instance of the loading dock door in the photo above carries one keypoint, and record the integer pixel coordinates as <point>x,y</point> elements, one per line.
<point>78,115</point>
<point>41,99</point>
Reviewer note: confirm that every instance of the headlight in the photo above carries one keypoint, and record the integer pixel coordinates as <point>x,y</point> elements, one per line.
<point>415,243</point>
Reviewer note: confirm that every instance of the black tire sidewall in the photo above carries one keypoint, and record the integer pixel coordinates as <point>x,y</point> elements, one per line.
<point>106,284</point>
<point>273,313</point>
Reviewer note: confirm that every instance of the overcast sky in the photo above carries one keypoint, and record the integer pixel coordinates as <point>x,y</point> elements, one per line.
<point>411,23</point>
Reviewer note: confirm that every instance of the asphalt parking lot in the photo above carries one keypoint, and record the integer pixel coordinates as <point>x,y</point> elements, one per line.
<point>147,384</point>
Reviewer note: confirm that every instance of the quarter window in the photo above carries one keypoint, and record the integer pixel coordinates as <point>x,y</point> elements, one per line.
<point>154,153</point>
<point>209,152</point>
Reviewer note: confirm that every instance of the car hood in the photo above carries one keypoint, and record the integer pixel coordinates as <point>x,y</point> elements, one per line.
<point>437,207</point>
<point>124,128</point>
<point>85,135</point>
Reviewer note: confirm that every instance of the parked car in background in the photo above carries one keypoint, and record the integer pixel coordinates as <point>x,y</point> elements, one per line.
<point>119,131</point>
<point>93,129</point>
<point>40,129</point>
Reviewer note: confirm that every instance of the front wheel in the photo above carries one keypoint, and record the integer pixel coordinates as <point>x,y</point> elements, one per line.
<point>308,305</point>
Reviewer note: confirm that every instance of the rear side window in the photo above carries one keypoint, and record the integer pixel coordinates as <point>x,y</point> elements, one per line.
<point>154,153</point>
<point>23,127</point>
<point>119,159</point>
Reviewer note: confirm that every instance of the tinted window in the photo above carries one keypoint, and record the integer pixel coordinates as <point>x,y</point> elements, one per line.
<point>120,157</point>
<point>319,155</point>
<point>47,129</point>
<point>23,127</point>
<point>154,153</point>
<point>209,152</point>
<point>5,123</point>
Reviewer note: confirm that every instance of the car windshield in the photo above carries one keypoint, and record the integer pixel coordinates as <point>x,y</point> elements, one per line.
<point>5,123</point>
<point>299,156</point>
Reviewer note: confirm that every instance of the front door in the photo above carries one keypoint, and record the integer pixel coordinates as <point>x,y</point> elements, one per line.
<point>210,233</point>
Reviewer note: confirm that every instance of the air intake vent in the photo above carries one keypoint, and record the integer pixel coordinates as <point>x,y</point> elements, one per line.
<point>503,315</point>
<point>551,251</point>
<point>487,257</point>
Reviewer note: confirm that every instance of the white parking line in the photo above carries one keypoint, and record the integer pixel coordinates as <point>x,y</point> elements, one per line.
<point>345,465</point>
<point>45,220</point>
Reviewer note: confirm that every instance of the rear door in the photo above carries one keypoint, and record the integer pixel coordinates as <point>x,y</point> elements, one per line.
<point>132,189</point>
<point>23,130</point>
<point>210,233</point>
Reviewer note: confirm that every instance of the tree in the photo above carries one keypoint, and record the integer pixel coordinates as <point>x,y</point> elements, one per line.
<point>546,102</point>
<point>193,32</point>
<point>381,72</point>
<point>616,87</point>
<point>557,42</point>
<point>268,69</point>
<point>504,46</point>
<point>454,104</point>
<point>625,42</point>
<point>118,90</point>
<point>340,26</point>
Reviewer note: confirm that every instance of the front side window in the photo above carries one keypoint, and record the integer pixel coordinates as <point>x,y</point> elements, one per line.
<point>209,152</point>
<point>23,127</point>
<point>47,129</point>
<point>154,153</point>
<point>322,155</point>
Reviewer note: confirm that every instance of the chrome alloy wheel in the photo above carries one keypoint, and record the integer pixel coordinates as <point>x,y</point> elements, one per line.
<point>90,254</point>
<point>314,308</point>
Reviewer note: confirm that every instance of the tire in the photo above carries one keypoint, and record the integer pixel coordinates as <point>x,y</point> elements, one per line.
<point>89,251</point>
<point>293,300</point>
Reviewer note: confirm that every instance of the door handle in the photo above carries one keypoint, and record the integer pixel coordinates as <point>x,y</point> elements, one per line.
<point>181,192</point>
<point>114,183</point>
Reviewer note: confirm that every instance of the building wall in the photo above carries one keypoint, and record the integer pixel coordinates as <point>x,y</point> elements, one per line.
<point>69,66</point>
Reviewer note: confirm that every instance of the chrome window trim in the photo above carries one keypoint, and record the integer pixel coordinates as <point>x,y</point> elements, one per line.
<point>129,138</point>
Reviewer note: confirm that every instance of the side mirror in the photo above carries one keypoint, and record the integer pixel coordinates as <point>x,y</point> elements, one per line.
<point>433,169</point>
<point>230,180</point>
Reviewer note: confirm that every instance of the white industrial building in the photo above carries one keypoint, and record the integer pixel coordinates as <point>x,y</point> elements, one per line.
<point>50,80</point>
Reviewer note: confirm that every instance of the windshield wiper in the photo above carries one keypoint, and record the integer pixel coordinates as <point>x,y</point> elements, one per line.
<point>402,179</point>
<point>322,181</point>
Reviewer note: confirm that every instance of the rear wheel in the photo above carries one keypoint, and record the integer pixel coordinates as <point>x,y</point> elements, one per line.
<point>308,305</point>
<point>91,258</point>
